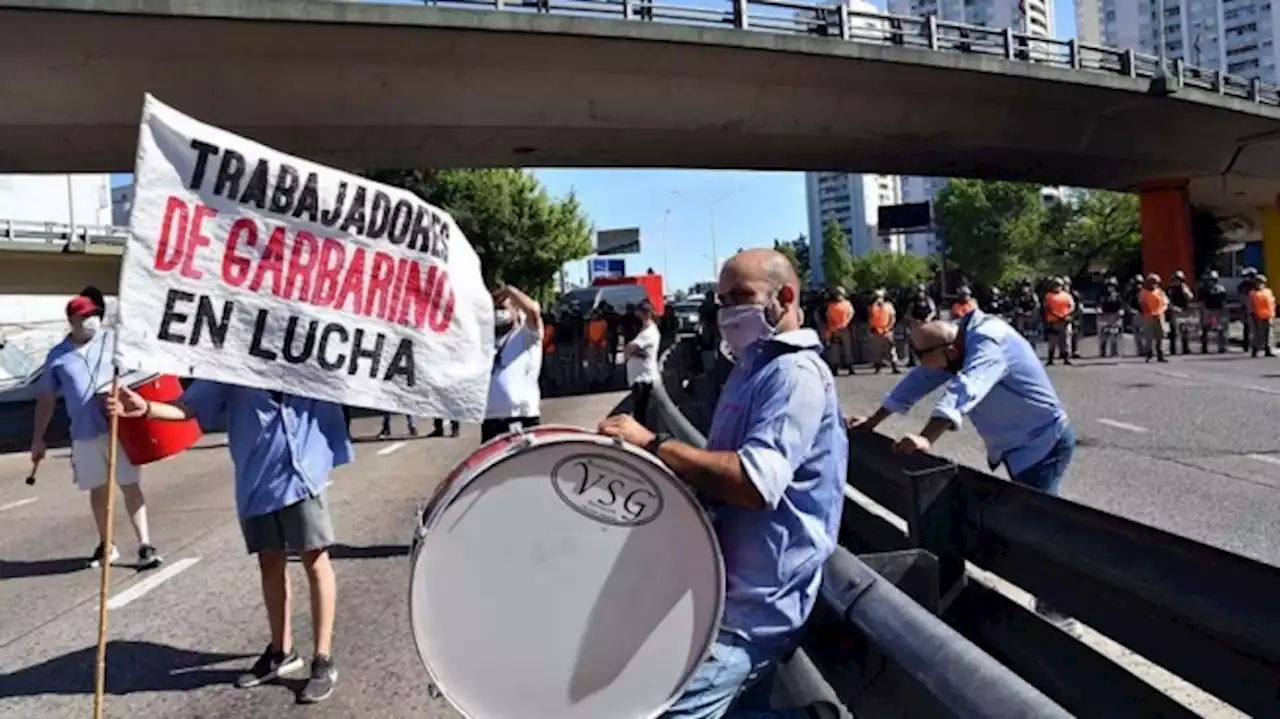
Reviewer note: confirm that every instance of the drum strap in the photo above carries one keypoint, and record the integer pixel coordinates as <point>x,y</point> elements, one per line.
<point>498,364</point>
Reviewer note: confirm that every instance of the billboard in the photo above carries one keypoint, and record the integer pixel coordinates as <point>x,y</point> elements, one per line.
<point>624,241</point>
<point>909,217</point>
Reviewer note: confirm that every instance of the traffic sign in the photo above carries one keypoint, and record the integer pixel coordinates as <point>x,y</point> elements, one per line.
<point>606,267</point>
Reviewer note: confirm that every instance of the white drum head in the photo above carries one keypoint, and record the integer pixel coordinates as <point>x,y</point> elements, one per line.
<point>534,596</point>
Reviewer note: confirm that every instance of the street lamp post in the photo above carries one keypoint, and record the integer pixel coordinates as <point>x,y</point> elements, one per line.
<point>715,254</point>
<point>666,270</point>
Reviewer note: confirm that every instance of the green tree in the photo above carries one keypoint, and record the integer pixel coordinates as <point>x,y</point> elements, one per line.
<point>888,269</point>
<point>989,227</point>
<point>1101,230</point>
<point>522,235</point>
<point>836,263</point>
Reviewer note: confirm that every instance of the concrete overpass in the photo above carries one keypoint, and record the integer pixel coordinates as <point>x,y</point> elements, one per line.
<point>363,85</point>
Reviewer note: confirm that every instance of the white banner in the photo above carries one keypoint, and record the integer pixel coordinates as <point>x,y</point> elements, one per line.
<point>249,266</point>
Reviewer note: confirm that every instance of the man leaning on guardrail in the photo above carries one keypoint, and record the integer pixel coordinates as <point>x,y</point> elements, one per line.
<point>993,376</point>
<point>775,465</point>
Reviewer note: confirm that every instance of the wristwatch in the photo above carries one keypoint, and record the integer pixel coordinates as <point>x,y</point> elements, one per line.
<point>658,440</point>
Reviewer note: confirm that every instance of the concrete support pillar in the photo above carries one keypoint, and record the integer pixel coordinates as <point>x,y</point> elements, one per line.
<point>1166,228</point>
<point>1270,243</point>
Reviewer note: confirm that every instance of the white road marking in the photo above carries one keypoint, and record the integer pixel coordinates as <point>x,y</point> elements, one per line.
<point>1259,457</point>
<point>18,503</point>
<point>141,588</point>
<point>1123,425</point>
<point>1221,382</point>
<point>391,448</point>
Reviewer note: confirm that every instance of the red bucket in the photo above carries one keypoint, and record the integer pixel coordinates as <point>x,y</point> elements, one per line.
<point>148,440</point>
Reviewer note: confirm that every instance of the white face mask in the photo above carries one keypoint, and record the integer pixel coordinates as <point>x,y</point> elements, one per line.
<point>88,327</point>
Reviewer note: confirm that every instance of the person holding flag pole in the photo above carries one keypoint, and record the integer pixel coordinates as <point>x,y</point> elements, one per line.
<point>283,448</point>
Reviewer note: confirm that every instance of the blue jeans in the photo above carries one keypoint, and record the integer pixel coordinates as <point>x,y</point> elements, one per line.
<point>731,668</point>
<point>1047,474</point>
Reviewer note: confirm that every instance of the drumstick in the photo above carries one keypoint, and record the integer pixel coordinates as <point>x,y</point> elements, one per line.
<point>31,478</point>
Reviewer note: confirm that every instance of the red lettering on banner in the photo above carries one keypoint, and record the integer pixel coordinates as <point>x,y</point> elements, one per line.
<point>417,293</point>
<point>322,272</point>
<point>327,272</point>
<point>442,303</point>
<point>175,211</point>
<point>352,283</point>
<point>272,263</point>
<point>380,274</point>
<point>397,290</point>
<point>195,240</point>
<point>302,262</point>
<point>235,268</point>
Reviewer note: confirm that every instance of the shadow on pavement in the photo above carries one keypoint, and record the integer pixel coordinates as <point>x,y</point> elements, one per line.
<point>42,568</point>
<point>375,551</point>
<point>131,667</point>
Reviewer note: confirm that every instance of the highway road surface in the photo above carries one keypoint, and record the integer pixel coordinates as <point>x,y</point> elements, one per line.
<point>1190,446</point>
<point>180,635</point>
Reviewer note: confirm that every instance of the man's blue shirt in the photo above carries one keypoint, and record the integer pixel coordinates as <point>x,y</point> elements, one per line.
<point>1002,388</point>
<point>76,373</point>
<point>283,451</point>
<point>779,412</point>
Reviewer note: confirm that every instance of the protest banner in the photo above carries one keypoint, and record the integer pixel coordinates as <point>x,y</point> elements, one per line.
<point>253,267</point>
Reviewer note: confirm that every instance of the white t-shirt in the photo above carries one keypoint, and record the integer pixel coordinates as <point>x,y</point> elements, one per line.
<point>644,369</point>
<point>513,388</point>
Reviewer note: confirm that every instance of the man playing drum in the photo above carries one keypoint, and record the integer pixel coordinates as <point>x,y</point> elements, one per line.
<point>775,464</point>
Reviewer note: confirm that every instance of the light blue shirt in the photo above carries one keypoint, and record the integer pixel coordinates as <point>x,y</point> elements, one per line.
<point>779,412</point>
<point>76,373</point>
<point>282,452</point>
<point>1002,388</point>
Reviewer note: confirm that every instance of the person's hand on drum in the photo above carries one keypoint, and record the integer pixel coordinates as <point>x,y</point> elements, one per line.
<point>627,428</point>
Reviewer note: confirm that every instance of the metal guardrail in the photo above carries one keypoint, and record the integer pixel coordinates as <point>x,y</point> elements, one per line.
<point>1206,615</point>
<point>925,33</point>
<point>961,679</point>
<point>74,236</point>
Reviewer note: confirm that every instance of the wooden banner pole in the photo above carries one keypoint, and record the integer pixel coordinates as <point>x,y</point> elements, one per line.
<point>100,665</point>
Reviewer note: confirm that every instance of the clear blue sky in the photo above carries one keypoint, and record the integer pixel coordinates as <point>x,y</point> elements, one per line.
<point>759,207</point>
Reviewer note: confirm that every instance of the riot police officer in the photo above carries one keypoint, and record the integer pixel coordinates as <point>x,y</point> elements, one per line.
<point>1213,313</point>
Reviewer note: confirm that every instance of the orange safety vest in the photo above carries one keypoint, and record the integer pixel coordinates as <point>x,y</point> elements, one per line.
<point>1154,302</point>
<point>1058,306</point>
<point>1262,302</point>
<point>596,331</point>
<point>960,309</point>
<point>549,339</point>
<point>882,317</point>
<point>839,315</point>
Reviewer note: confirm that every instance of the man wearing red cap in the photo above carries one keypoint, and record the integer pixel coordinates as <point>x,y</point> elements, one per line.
<point>78,369</point>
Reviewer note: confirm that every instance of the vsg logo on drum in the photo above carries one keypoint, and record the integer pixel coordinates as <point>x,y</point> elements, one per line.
<point>606,490</point>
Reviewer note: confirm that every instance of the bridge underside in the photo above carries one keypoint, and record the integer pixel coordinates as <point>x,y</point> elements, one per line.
<point>363,86</point>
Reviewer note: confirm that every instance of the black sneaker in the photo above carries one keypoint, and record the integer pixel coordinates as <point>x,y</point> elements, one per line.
<point>148,557</point>
<point>269,667</point>
<point>95,561</point>
<point>323,676</point>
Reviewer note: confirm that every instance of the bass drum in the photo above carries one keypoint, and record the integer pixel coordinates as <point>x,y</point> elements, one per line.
<point>560,574</point>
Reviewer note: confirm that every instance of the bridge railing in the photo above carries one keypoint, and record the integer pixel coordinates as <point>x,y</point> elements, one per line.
<point>73,236</point>
<point>926,33</point>
<point>1207,616</point>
